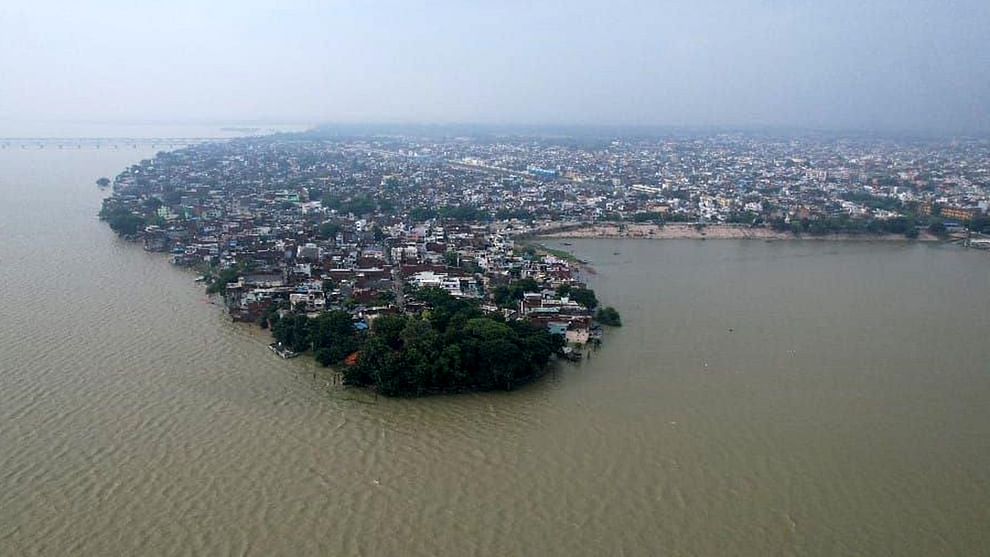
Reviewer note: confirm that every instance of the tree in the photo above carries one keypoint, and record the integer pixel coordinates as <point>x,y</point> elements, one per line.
<point>900,225</point>
<point>219,283</point>
<point>584,296</point>
<point>453,347</point>
<point>420,214</point>
<point>420,348</point>
<point>491,353</point>
<point>103,182</point>
<point>329,230</point>
<point>293,331</point>
<point>333,337</point>
<point>451,258</point>
<point>503,296</point>
<point>359,205</point>
<point>507,296</point>
<point>374,362</point>
<point>151,204</point>
<point>608,316</point>
<point>270,317</point>
<point>389,329</point>
<point>332,202</point>
<point>123,221</point>
<point>980,224</point>
<point>463,213</point>
<point>651,216</point>
<point>527,285</point>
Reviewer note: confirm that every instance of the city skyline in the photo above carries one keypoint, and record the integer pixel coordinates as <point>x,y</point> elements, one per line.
<point>887,67</point>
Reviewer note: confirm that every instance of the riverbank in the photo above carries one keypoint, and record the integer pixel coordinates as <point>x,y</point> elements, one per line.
<point>679,231</point>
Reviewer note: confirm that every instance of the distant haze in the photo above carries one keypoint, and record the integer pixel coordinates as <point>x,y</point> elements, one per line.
<point>885,65</point>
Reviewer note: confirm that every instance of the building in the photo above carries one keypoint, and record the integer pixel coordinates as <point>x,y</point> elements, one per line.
<point>963,214</point>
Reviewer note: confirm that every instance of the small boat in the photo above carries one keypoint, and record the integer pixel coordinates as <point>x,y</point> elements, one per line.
<point>571,354</point>
<point>566,244</point>
<point>200,278</point>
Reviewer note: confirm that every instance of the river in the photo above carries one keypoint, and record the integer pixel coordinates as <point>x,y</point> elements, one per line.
<point>784,398</point>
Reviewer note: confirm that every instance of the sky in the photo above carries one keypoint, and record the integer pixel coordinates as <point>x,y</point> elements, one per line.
<point>883,65</point>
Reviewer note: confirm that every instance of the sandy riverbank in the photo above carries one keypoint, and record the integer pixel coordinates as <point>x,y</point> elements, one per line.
<point>711,232</point>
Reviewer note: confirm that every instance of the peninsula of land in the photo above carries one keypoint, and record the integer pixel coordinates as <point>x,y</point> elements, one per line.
<point>405,258</point>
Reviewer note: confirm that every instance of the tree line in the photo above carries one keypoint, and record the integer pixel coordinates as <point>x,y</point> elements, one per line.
<point>451,347</point>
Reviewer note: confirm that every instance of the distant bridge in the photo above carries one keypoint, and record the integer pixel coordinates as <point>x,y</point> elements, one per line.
<point>103,142</point>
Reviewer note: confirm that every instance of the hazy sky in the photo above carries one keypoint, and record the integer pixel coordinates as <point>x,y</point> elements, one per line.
<point>881,65</point>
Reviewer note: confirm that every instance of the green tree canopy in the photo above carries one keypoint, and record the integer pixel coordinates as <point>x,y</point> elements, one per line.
<point>329,230</point>
<point>293,331</point>
<point>608,316</point>
<point>584,296</point>
<point>333,337</point>
<point>452,347</point>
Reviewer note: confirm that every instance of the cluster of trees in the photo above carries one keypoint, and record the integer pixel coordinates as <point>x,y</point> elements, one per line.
<point>463,213</point>
<point>844,224</point>
<point>521,214</point>
<point>331,336</point>
<point>452,347</point>
<point>648,216</point>
<point>422,213</point>
<point>218,282</point>
<point>453,259</point>
<point>122,220</point>
<point>936,227</point>
<point>608,316</point>
<point>874,201</point>
<point>329,230</point>
<point>508,296</point>
<point>744,217</point>
<point>584,296</point>
<point>980,224</point>
<point>466,213</point>
<point>359,205</point>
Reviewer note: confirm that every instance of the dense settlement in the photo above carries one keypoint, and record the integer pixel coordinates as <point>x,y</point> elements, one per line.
<point>409,259</point>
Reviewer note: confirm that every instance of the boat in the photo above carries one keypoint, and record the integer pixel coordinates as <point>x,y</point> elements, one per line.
<point>571,354</point>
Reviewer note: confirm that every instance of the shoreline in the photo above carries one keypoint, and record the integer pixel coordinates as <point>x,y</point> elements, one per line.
<point>678,231</point>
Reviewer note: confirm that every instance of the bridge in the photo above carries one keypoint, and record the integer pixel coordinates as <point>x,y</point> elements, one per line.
<point>102,142</point>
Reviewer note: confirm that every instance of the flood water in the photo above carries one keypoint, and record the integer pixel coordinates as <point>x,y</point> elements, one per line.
<point>785,398</point>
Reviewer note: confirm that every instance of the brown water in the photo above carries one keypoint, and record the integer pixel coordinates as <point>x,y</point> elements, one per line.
<point>847,412</point>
